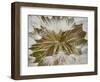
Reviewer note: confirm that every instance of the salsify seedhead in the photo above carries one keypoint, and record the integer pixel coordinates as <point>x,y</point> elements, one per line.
<point>51,42</point>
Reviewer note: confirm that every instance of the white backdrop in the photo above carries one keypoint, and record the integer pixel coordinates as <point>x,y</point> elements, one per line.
<point>5,40</point>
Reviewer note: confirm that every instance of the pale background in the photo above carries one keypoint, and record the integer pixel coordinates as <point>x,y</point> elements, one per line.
<point>5,40</point>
